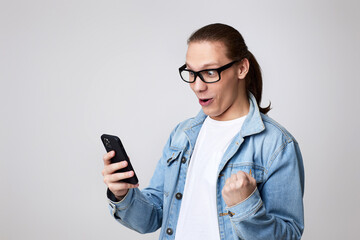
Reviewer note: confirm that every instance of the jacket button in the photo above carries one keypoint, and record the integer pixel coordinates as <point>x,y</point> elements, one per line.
<point>169,231</point>
<point>183,159</point>
<point>178,196</point>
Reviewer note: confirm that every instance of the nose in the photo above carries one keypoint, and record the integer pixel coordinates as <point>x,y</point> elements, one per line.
<point>198,85</point>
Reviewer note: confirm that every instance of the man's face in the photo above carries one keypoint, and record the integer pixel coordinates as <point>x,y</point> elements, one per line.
<point>222,100</point>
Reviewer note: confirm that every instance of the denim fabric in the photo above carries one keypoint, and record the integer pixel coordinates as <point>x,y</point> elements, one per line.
<point>273,211</point>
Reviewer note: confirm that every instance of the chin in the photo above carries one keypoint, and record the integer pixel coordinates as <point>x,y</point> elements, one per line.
<point>210,113</point>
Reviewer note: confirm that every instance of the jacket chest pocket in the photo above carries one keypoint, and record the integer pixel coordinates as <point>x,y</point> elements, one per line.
<point>254,170</point>
<point>172,170</point>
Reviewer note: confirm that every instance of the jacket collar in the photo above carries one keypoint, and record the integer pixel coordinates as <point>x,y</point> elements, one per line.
<point>253,123</point>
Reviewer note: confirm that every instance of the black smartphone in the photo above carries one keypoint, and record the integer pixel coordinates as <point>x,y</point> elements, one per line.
<point>113,143</point>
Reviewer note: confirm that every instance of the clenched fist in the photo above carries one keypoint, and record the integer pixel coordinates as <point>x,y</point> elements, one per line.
<point>238,187</point>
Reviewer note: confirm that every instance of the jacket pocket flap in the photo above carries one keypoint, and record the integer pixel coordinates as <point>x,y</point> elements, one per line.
<point>174,155</point>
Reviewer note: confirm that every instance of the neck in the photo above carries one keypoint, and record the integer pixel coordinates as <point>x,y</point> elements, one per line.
<point>238,110</point>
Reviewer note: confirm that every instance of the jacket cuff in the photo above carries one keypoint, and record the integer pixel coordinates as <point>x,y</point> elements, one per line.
<point>246,208</point>
<point>115,204</point>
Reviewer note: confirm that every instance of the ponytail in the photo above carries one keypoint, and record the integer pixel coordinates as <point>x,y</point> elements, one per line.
<point>253,82</point>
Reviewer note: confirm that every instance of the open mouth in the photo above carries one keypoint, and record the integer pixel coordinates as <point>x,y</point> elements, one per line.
<point>205,101</point>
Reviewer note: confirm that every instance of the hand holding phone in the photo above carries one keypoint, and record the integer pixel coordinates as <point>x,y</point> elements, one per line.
<point>118,172</point>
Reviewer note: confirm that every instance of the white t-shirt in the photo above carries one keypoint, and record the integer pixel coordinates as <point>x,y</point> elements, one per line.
<point>198,212</point>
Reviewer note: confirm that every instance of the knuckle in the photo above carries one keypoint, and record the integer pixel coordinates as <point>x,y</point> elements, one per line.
<point>110,168</point>
<point>106,156</point>
<point>243,180</point>
<point>106,170</point>
<point>105,179</point>
<point>114,167</point>
<point>241,174</point>
<point>227,181</point>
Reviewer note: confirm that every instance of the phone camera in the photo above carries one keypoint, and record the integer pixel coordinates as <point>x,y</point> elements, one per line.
<point>107,142</point>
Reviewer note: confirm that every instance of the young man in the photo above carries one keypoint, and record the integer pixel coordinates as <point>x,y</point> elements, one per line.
<point>231,172</point>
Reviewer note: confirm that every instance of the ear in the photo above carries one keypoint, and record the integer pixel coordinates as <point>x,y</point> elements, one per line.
<point>243,68</point>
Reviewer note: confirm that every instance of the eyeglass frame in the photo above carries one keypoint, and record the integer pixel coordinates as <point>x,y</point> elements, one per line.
<point>198,73</point>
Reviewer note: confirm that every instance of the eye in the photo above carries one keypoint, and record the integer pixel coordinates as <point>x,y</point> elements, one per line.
<point>211,73</point>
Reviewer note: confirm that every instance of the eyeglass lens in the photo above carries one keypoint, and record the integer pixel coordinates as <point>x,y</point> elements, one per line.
<point>207,75</point>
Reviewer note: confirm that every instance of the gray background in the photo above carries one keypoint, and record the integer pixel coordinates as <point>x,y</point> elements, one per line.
<point>72,70</point>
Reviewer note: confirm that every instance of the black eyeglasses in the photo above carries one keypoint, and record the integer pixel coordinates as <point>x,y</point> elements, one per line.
<point>207,75</point>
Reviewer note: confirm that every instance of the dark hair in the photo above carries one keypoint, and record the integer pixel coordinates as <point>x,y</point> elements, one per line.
<point>236,50</point>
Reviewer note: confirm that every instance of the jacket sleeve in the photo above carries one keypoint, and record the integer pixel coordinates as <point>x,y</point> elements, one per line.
<point>142,211</point>
<point>275,210</point>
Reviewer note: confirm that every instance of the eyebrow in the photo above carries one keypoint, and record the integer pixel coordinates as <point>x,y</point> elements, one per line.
<point>203,66</point>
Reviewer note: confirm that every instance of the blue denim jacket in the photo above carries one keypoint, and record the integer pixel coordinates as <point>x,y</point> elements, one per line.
<point>273,211</point>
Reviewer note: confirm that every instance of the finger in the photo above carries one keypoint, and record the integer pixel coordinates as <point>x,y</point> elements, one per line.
<point>243,176</point>
<point>234,177</point>
<point>246,179</point>
<point>121,176</point>
<point>249,176</point>
<point>226,189</point>
<point>110,169</point>
<point>107,157</point>
<point>227,181</point>
<point>240,183</point>
<point>232,186</point>
<point>115,178</point>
